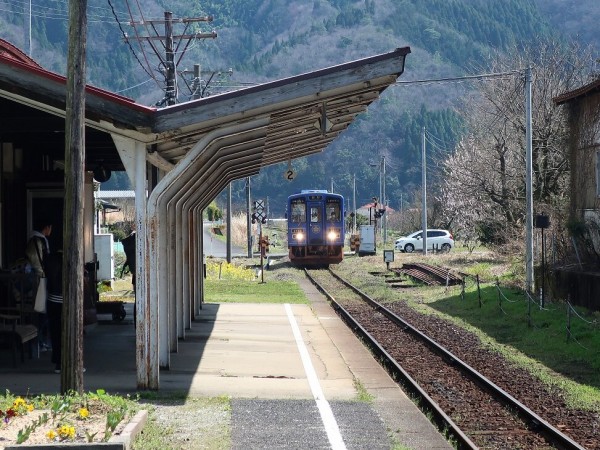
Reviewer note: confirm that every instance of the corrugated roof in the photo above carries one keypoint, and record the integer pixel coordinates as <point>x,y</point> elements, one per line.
<point>305,112</point>
<point>9,51</point>
<point>590,88</point>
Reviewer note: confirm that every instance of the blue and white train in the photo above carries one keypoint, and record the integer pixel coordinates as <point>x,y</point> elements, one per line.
<point>315,228</point>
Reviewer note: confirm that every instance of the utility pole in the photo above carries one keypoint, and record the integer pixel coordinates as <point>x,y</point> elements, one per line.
<point>529,284</point>
<point>71,378</point>
<point>229,223</point>
<point>171,91</point>
<point>199,86</point>
<point>248,218</point>
<point>30,48</point>
<point>424,193</point>
<point>401,212</point>
<point>171,43</point>
<point>354,203</point>
<point>385,201</point>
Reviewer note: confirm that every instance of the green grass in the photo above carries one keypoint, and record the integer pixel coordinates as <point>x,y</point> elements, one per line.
<point>238,282</point>
<point>362,395</point>
<point>240,291</point>
<point>572,366</point>
<point>535,338</point>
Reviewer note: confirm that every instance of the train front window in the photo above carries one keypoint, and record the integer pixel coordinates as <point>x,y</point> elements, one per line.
<point>298,211</point>
<point>315,214</point>
<point>333,212</point>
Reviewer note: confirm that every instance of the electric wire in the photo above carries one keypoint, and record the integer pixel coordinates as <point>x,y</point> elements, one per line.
<point>148,67</point>
<point>133,87</point>
<point>53,13</point>
<point>508,74</point>
<point>131,48</point>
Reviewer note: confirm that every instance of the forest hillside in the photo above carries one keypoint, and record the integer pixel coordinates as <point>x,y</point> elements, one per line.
<point>264,40</point>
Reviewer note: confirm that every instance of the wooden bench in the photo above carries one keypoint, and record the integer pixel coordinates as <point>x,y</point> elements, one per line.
<point>17,335</point>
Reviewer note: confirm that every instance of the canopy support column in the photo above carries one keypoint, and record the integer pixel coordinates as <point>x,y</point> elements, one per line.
<point>133,155</point>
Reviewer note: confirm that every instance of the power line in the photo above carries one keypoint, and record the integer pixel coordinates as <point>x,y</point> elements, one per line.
<point>463,78</point>
<point>172,44</point>
<point>131,48</point>
<point>135,86</point>
<point>50,13</point>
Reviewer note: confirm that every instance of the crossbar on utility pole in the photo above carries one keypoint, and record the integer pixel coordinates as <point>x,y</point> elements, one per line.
<point>171,43</point>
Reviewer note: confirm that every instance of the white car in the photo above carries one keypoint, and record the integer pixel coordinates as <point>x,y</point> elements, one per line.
<point>436,239</point>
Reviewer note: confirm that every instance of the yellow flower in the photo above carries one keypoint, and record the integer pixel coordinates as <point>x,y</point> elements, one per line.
<point>66,432</point>
<point>29,407</point>
<point>51,435</point>
<point>18,402</point>
<point>83,413</point>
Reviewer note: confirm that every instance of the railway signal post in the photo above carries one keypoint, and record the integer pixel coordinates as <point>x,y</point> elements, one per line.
<point>259,215</point>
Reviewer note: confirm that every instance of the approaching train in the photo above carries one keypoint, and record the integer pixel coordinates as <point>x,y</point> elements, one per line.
<point>315,228</point>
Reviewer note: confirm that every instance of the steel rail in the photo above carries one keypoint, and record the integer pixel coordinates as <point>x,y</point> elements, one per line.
<point>439,417</point>
<point>536,422</point>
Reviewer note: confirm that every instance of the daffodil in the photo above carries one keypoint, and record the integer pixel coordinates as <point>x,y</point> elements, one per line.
<point>66,432</point>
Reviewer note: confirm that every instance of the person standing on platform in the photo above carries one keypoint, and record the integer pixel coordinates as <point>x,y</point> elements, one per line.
<point>36,251</point>
<point>54,263</point>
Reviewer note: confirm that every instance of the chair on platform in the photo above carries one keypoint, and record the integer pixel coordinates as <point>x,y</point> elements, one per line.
<point>17,317</point>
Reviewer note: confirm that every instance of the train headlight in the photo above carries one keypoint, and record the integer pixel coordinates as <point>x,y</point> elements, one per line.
<point>299,236</point>
<point>333,234</point>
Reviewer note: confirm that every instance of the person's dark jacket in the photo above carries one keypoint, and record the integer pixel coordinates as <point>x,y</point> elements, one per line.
<point>53,266</point>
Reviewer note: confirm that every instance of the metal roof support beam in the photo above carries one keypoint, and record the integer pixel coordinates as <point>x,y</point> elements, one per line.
<point>195,190</point>
<point>192,208</point>
<point>196,271</point>
<point>133,155</point>
<point>173,181</point>
<point>212,163</point>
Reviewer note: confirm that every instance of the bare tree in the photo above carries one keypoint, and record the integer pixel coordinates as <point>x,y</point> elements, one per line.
<point>484,189</point>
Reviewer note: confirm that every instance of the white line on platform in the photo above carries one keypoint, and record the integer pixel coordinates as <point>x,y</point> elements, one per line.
<point>331,426</point>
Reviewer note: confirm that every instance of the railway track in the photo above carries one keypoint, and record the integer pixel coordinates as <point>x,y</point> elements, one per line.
<point>428,274</point>
<point>471,409</point>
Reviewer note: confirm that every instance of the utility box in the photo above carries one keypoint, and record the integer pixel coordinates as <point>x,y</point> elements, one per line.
<point>103,243</point>
<point>367,240</point>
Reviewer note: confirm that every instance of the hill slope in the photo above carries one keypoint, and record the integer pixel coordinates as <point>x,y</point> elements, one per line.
<point>268,39</point>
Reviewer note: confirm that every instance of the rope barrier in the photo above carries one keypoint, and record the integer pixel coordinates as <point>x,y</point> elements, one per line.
<point>530,300</point>
<point>469,281</point>
<point>500,293</point>
<point>570,311</point>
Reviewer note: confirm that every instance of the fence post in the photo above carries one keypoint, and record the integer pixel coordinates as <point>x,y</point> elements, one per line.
<point>568,321</point>
<point>499,294</point>
<point>462,290</point>
<point>528,309</point>
<point>478,291</point>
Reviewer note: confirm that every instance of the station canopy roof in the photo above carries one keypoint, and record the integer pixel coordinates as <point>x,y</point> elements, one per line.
<point>304,113</point>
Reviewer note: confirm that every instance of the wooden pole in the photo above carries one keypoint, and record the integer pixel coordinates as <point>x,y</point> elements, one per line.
<point>73,268</point>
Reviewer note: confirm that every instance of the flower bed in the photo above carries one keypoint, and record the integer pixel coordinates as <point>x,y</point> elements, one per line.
<point>87,418</point>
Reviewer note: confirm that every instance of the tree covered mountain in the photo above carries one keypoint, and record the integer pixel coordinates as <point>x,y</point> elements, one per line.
<point>263,40</point>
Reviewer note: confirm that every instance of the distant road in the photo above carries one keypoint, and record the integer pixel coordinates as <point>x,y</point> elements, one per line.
<point>218,248</point>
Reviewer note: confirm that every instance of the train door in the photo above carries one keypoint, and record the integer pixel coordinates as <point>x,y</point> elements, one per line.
<point>315,228</point>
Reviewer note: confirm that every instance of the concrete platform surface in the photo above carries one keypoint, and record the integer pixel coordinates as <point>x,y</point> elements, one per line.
<point>261,352</point>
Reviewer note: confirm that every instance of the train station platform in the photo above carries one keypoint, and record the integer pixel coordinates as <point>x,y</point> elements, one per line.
<point>291,371</point>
